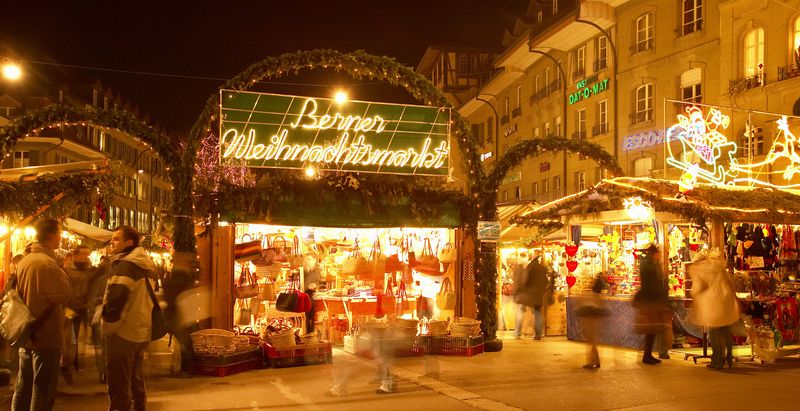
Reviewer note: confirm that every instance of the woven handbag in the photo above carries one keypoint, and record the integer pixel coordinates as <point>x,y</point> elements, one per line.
<point>447,255</point>
<point>428,263</point>
<point>355,265</point>
<point>446,299</point>
<point>247,286</point>
<point>377,264</point>
<point>247,250</point>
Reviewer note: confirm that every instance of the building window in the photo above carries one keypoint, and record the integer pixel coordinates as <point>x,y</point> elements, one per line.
<point>580,124</point>
<point>796,42</point>
<point>476,133</point>
<point>644,34</point>
<point>507,106</point>
<point>539,16</point>
<point>558,76</point>
<point>519,96</point>
<point>536,132</point>
<point>580,62</point>
<point>602,53</point>
<point>95,98</point>
<point>518,192</point>
<point>691,89</point>
<point>557,184</point>
<point>753,142</point>
<point>505,195</point>
<point>547,128</point>
<point>602,119</point>
<point>489,130</point>
<point>557,121</point>
<point>643,104</point>
<point>692,16</point>
<point>22,159</point>
<point>537,85</point>
<point>580,181</point>
<point>546,186</point>
<point>643,167</point>
<point>754,52</point>
<point>535,189</point>
<point>555,6</point>
<point>547,76</point>
<point>463,64</point>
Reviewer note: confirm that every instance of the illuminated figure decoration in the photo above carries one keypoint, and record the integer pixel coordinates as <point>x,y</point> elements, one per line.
<point>706,153</point>
<point>637,208</point>
<point>785,148</point>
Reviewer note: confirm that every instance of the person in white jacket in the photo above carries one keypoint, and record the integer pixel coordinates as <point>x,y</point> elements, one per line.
<point>715,304</point>
<point>126,320</point>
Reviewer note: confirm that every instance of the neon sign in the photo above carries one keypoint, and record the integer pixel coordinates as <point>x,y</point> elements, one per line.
<point>279,131</point>
<point>706,154</point>
<point>585,90</point>
<point>642,140</point>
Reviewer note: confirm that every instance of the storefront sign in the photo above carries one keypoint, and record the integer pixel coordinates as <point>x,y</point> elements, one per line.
<point>648,139</point>
<point>488,247</point>
<point>279,131</point>
<point>544,167</point>
<point>707,154</point>
<point>586,90</point>
<point>489,230</point>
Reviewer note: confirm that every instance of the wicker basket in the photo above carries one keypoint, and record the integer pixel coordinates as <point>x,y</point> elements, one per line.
<point>438,328</point>
<point>465,327</point>
<point>283,338</point>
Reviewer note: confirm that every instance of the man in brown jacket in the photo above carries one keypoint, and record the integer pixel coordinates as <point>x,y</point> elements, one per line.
<point>45,288</point>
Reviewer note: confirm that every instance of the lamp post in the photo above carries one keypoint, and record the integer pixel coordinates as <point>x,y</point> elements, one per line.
<point>496,125</point>
<point>136,188</point>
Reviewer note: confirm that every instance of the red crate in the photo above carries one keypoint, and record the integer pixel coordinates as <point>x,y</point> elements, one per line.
<point>228,359</point>
<point>457,346</point>
<point>400,347</point>
<point>224,370</point>
<point>295,356</point>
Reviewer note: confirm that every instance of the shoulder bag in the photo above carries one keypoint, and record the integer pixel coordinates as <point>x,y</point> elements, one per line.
<point>247,287</point>
<point>158,321</point>
<point>446,299</point>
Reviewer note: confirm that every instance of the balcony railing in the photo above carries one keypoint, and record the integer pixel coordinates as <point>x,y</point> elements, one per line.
<point>641,46</point>
<point>641,116</point>
<point>579,72</point>
<point>516,112</point>
<point>599,129</point>
<point>538,96</point>
<point>553,87</point>
<point>787,72</point>
<point>747,83</point>
<point>579,135</point>
<point>504,119</point>
<point>689,28</point>
<point>601,64</point>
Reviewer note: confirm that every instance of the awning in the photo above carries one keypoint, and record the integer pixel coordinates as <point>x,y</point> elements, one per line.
<point>513,232</point>
<point>588,232</point>
<point>86,230</point>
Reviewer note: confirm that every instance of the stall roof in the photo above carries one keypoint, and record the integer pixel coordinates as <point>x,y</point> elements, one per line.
<point>87,230</point>
<point>704,202</point>
<point>507,211</point>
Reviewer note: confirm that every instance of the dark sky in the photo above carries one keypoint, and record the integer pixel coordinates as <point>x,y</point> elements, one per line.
<point>219,39</point>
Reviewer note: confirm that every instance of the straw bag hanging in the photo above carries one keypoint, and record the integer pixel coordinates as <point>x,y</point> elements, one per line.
<point>407,254</point>
<point>355,265</point>
<point>428,263</point>
<point>377,263</point>
<point>247,250</point>
<point>387,301</point>
<point>266,290</point>
<point>296,257</point>
<point>247,287</point>
<point>447,255</point>
<point>446,299</point>
<point>403,304</point>
<point>282,249</point>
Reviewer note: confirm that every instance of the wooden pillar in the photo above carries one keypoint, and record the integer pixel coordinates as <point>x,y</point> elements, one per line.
<point>221,265</point>
<point>717,235</point>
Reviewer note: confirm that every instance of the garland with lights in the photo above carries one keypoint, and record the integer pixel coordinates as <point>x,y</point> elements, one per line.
<point>23,197</point>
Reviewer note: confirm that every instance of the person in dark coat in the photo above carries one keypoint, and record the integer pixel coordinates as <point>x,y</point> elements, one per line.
<point>651,302</point>
<point>529,289</point>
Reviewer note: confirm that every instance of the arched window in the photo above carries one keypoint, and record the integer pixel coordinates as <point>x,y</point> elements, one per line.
<point>796,42</point>
<point>754,52</point>
<point>643,103</point>
<point>796,108</point>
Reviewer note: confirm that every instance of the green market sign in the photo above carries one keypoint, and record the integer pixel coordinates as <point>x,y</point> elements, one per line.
<point>586,90</point>
<point>280,131</point>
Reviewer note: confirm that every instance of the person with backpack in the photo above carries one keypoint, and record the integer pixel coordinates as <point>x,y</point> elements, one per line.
<point>44,287</point>
<point>126,319</point>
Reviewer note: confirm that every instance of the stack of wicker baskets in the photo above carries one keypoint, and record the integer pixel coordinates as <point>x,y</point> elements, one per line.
<point>214,341</point>
<point>402,328</point>
<point>282,338</point>
<point>438,328</point>
<point>465,327</point>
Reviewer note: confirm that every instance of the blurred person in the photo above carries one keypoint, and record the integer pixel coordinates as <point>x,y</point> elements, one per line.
<point>311,278</point>
<point>44,286</point>
<point>12,275</point>
<point>529,289</point>
<point>715,304</point>
<point>591,312</point>
<point>180,279</point>
<point>80,271</point>
<point>651,302</point>
<point>126,320</point>
<point>97,289</point>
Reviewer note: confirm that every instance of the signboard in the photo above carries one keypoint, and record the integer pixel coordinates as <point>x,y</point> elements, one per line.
<point>700,146</point>
<point>280,131</point>
<point>544,167</point>
<point>488,247</point>
<point>642,140</point>
<point>587,88</point>
<point>489,230</point>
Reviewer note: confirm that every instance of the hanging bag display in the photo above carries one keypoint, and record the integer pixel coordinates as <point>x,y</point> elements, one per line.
<point>296,257</point>
<point>377,263</point>
<point>447,255</point>
<point>411,256</point>
<point>247,286</point>
<point>446,299</point>
<point>428,263</point>
<point>247,250</point>
<point>244,313</point>
<point>293,300</point>
<point>406,255</point>
<point>282,249</point>
<point>266,290</point>
<point>388,299</point>
<point>355,265</point>
<point>403,304</point>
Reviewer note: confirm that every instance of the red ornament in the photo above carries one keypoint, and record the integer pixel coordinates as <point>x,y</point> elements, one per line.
<point>571,266</point>
<point>694,247</point>
<point>571,250</point>
<point>571,280</point>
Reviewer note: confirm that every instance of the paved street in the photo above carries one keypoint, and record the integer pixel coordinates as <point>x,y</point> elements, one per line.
<point>527,374</point>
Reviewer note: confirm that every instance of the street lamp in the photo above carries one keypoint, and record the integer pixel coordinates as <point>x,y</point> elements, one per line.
<point>11,70</point>
<point>136,188</point>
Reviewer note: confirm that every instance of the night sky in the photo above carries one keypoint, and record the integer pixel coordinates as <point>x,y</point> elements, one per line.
<point>220,39</point>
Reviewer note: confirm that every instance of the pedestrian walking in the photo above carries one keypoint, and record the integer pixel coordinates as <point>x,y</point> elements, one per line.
<point>45,288</point>
<point>97,289</point>
<point>651,302</point>
<point>592,311</point>
<point>126,316</point>
<point>529,288</point>
<point>715,304</point>
<point>80,271</point>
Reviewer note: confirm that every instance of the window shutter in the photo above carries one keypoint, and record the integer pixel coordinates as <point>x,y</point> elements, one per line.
<point>691,77</point>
